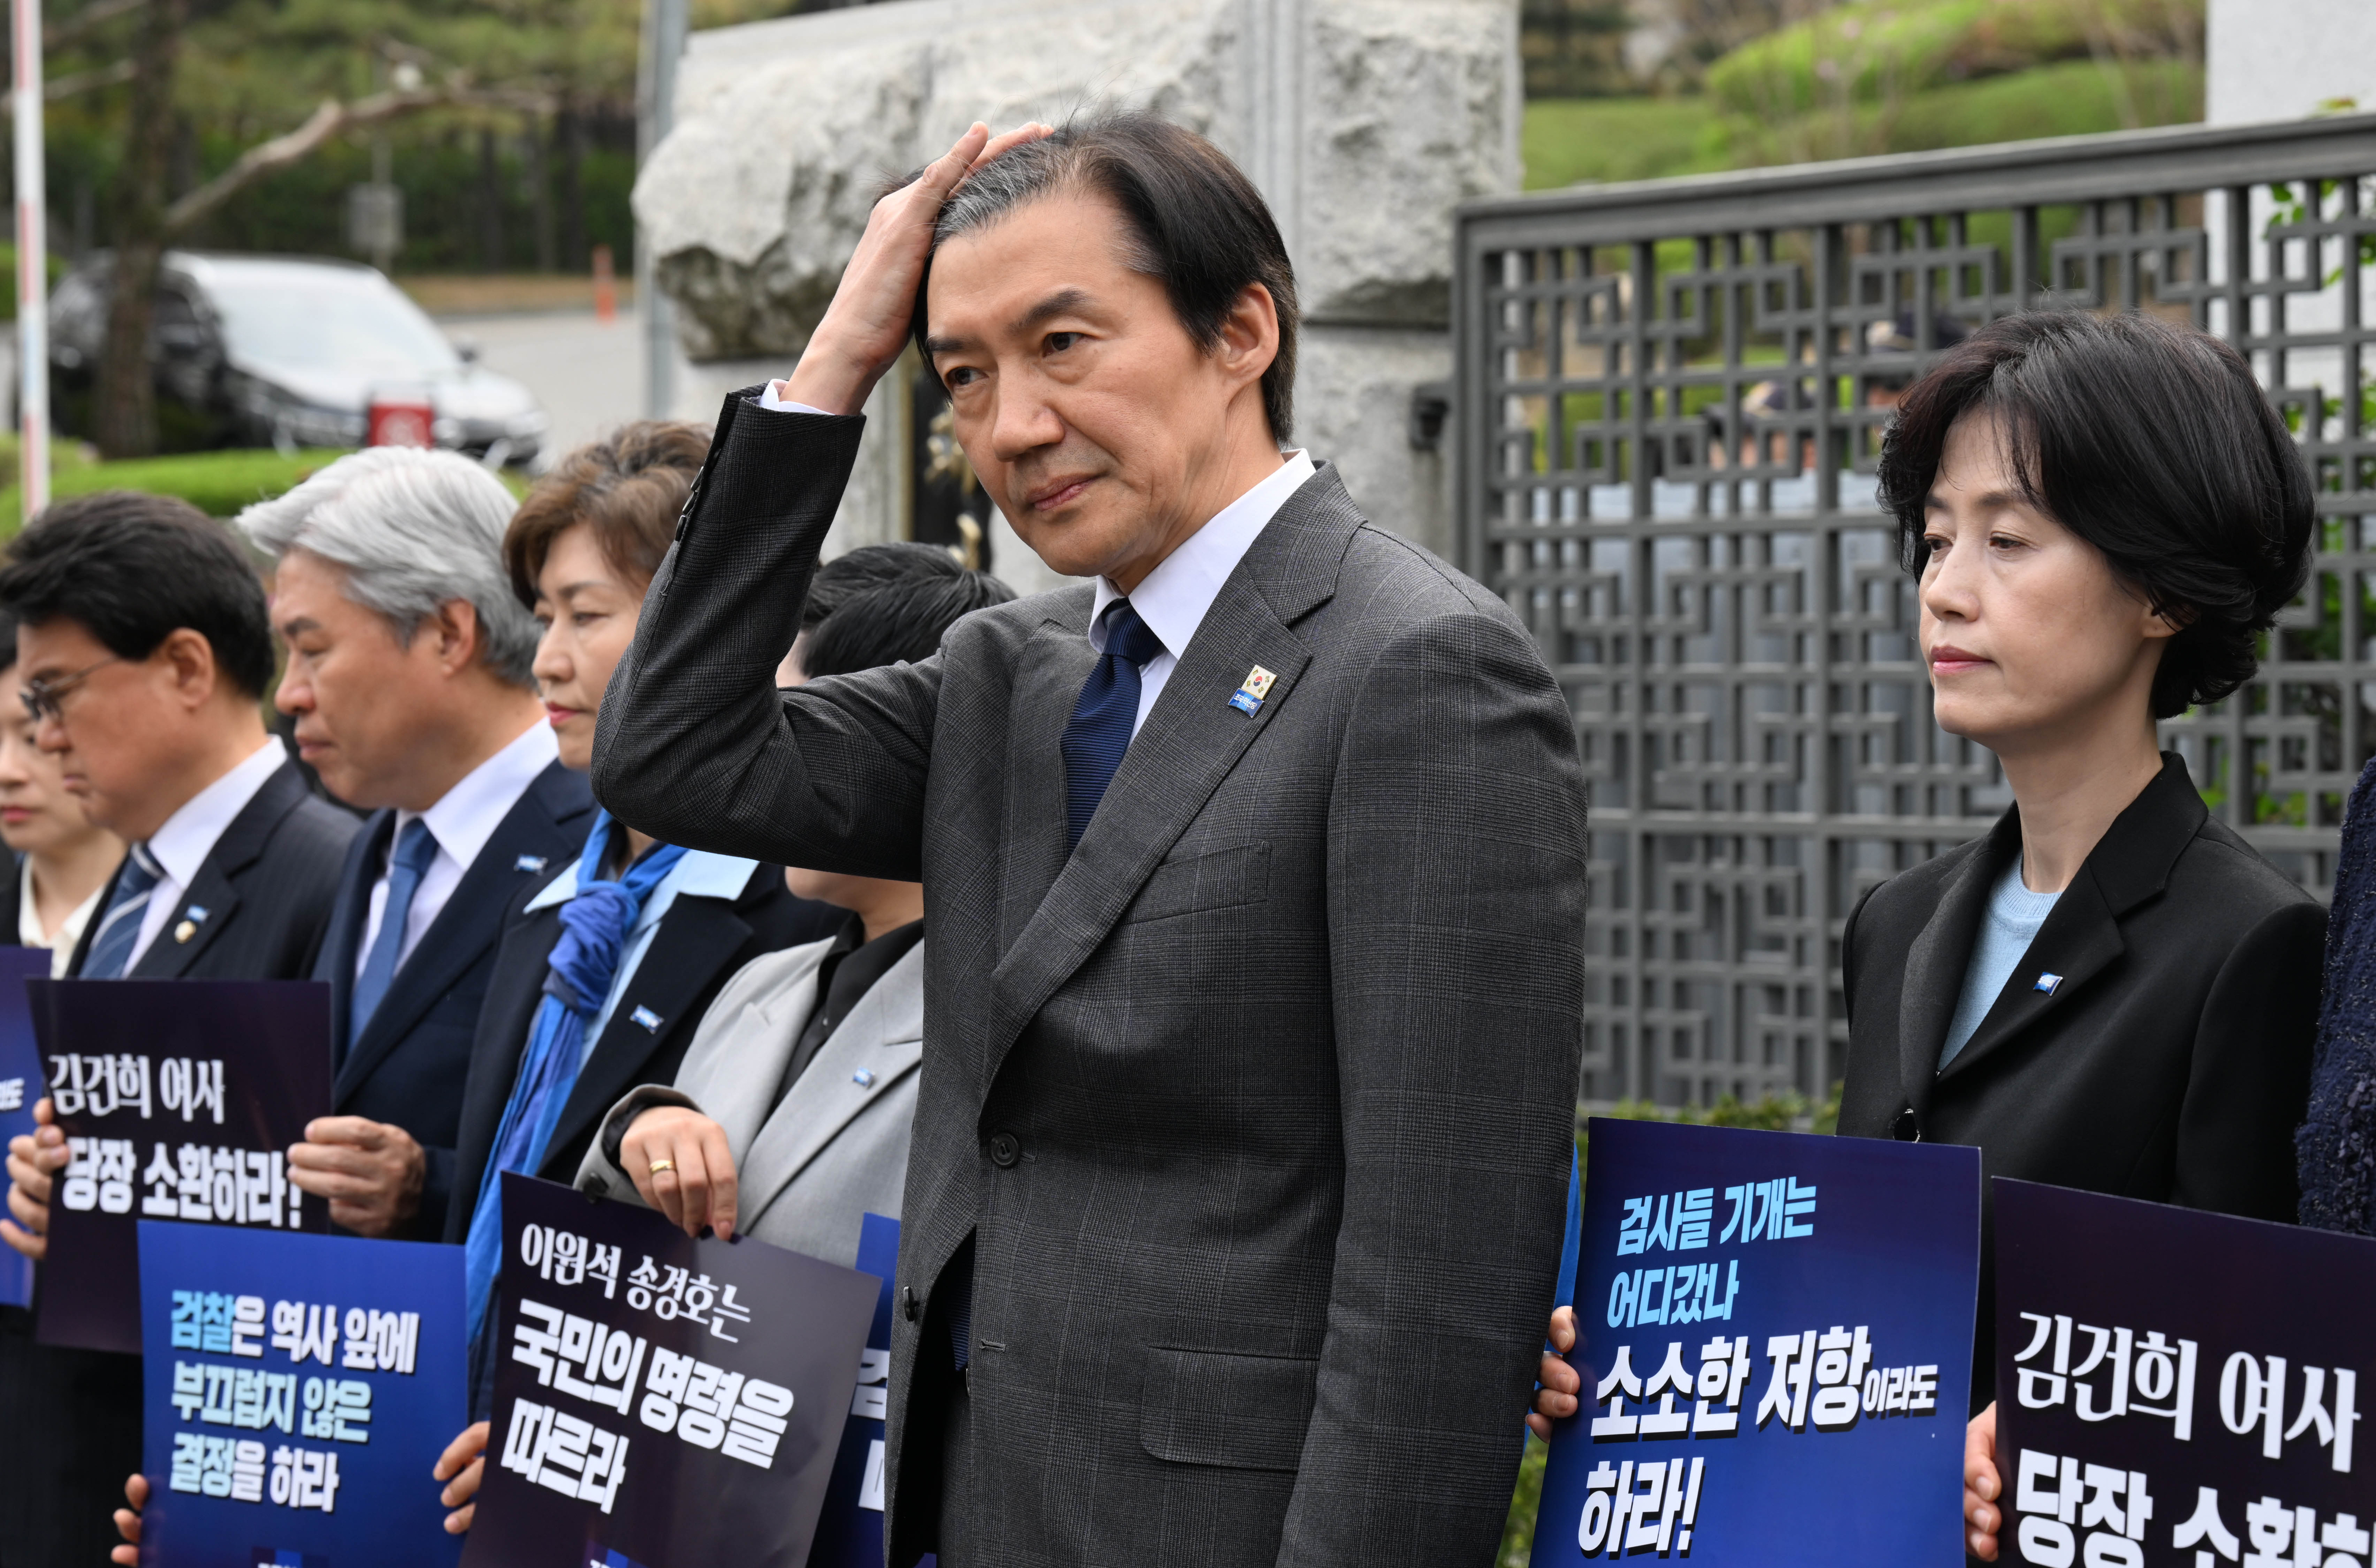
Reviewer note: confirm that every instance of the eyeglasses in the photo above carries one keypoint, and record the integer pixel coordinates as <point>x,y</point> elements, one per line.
<point>44,695</point>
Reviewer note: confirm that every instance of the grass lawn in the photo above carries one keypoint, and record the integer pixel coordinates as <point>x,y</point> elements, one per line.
<point>1568,140</point>
<point>218,483</point>
<point>1565,141</point>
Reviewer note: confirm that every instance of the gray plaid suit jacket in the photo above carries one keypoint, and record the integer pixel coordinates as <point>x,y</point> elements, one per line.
<point>1259,1103</point>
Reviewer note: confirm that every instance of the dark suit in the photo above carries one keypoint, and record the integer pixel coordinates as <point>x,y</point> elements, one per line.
<point>2338,1141</point>
<point>261,899</point>
<point>70,1419</point>
<point>1256,1106</point>
<point>697,946</point>
<point>2171,1060</point>
<point>410,1066</point>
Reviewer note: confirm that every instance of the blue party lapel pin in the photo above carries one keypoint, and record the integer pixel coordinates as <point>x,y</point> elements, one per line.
<point>2047,982</point>
<point>1249,697</point>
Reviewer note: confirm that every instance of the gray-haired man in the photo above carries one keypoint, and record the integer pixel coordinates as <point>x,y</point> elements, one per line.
<point>409,678</point>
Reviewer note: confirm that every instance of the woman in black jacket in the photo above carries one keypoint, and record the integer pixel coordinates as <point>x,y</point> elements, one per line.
<point>2110,990</point>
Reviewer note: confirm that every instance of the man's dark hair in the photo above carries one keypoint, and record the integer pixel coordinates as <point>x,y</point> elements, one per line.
<point>2151,442</point>
<point>898,621</point>
<point>132,569</point>
<point>1190,217</point>
<point>874,566</point>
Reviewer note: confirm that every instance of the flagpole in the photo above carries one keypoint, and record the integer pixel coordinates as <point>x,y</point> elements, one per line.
<point>33,265</point>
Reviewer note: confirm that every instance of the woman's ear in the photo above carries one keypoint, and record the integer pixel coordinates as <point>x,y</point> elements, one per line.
<point>2167,620</point>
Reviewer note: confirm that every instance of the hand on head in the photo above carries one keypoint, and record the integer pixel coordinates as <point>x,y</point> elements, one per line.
<point>1561,1385</point>
<point>372,1172</point>
<point>34,1159</point>
<point>680,1162</point>
<point>866,326</point>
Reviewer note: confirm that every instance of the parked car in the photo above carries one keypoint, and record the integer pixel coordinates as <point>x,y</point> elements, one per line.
<point>257,350</point>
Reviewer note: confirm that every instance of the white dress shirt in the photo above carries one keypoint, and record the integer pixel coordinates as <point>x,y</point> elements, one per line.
<point>29,924</point>
<point>182,846</point>
<point>1173,598</point>
<point>463,821</point>
<point>700,875</point>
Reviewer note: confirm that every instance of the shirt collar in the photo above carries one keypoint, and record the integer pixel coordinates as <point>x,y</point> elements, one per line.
<point>188,836</point>
<point>467,815</point>
<point>699,875</point>
<point>1173,598</point>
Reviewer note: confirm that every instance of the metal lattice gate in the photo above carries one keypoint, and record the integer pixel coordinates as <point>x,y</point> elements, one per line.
<point>1668,401</point>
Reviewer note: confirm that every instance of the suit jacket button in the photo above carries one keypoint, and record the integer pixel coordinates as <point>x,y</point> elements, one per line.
<point>907,1302</point>
<point>1906,1129</point>
<point>1005,1149</point>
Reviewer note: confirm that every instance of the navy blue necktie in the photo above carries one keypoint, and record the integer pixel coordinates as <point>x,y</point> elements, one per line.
<point>1103,716</point>
<point>416,847</point>
<point>119,929</point>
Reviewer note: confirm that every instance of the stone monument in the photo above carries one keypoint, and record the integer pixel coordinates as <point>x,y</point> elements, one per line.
<point>1363,122</point>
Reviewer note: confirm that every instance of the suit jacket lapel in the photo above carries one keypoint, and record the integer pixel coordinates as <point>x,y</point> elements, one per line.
<point>2079,938</point>
<point>1190,741</point>
<point>1939,956</point>
<point>695,939</point>
<point>492,890</point>
<point>882,1036</point>
<point>207,904</point>
<point>2082,934</point>
<point>341,947</point>
<point>1047,684</point>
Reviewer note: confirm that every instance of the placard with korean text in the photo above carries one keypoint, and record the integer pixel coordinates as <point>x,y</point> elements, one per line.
<point>1775,1335</point>
<point>666,1400</point>
<point>180,1101</point>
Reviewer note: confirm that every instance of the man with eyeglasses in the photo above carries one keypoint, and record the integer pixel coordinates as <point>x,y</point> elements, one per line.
<point>144,649</point>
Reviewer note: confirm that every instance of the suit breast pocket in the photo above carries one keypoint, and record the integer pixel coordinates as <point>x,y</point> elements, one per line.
<point>1219,1407</point>
<point>1224,879</point>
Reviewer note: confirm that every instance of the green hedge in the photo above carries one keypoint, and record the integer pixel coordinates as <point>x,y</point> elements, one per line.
<point>218,483</point>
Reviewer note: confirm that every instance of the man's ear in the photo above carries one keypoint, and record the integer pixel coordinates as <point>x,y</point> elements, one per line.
<point>458,634</point>
<point>190,660</point>
<point>1249,333</point>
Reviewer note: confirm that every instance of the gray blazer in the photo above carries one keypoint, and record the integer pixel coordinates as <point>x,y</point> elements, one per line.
<point>1257,1105</point>
<point>835,1147</point>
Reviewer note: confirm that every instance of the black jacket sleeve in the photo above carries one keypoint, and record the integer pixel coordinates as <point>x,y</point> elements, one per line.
<point>695,744</point>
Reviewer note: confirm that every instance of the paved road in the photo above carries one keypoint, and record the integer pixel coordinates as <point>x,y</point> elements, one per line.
<point>587,374</point>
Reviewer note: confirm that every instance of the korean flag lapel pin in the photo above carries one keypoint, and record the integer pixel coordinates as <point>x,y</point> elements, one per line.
<point>1249,697</point>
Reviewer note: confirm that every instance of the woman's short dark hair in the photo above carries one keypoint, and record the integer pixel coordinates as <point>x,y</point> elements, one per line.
<point>1190,217</point>
<point>132,569</point>
<point>2154,444</point>
<point>628,487</point>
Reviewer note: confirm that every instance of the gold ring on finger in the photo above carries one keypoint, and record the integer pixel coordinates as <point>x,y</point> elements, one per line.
<point>660,1164</point>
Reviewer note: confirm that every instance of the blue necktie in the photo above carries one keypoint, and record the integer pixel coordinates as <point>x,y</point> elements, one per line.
<point>416,847</point>
<point>1103,717</point>
<point>110,950</point>
<point>595,924</point>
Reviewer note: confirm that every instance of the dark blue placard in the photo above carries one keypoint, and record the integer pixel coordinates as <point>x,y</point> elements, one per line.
<point>20,1089</point>
<point>1853,1261</point>
<point>298,1390</point>
<point>660,1399</point>
<point>2180,1387</point>
<point>849,1531</point>
<point>179,1100</point>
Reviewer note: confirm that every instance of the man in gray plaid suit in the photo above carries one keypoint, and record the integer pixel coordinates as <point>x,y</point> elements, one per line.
<point>1254,875</point>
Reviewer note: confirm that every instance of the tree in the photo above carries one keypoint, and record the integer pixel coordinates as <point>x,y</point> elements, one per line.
<point>158,67</point>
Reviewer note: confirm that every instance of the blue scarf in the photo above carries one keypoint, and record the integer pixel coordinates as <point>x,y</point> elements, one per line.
<point>594,926</point>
